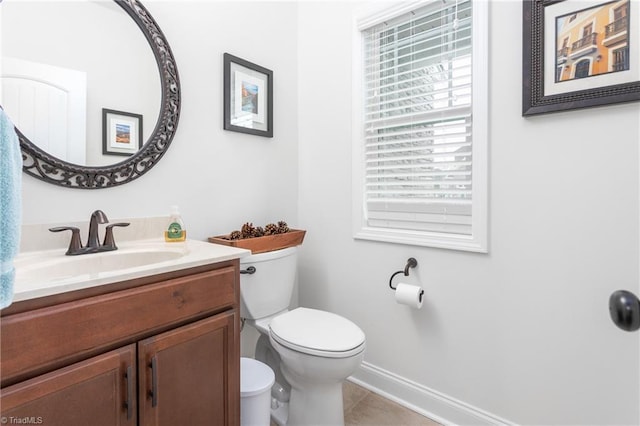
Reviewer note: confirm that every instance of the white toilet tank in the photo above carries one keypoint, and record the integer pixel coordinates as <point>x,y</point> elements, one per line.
<point>268,290</point>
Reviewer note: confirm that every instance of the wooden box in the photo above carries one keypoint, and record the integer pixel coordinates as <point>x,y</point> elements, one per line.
<point>263,244</point>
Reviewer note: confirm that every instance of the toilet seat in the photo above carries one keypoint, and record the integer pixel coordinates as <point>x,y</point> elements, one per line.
<point>318,333</point>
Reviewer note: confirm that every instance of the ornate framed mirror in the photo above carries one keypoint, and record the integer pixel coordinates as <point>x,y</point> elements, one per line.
<point>42,164</point>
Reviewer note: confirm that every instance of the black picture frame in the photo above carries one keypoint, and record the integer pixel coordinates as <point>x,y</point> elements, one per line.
<point>248,97</point>
<point>535,99</point>
<point>131,141</point>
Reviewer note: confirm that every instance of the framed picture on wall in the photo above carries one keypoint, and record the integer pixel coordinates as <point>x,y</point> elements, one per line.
<point>579,53</point>
<point>121,132</point>
<point>248,97</point>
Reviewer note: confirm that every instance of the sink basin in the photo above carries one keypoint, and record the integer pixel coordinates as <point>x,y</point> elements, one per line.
<point>45,268</point>
<point>42,273</point>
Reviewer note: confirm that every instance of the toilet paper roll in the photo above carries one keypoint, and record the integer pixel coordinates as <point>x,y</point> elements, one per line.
<point>410,295</point>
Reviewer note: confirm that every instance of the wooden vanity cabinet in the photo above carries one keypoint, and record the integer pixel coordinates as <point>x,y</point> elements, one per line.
<point>192,393</point>
<point>163,352</point>
<point>91,392</point>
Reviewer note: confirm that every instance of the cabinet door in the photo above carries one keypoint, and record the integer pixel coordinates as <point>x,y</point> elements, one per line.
<point>191,375</point>
<point>98,391</point>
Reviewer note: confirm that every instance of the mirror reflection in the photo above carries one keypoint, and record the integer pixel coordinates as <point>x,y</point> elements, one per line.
<point>63,63</point>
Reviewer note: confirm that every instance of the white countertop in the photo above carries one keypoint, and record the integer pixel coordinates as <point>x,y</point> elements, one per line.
<point>49,272</point>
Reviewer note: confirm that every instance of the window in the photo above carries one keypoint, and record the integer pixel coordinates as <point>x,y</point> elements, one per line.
<point>620,12</point>
<point>620,59</point>
<point>582,68</point>
<point>420,147</point>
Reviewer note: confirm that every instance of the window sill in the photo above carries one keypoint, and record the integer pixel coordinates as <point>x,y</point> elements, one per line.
<point>424,239</point>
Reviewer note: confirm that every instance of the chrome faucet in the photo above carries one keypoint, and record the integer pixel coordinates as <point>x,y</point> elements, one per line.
<point>93,242</point>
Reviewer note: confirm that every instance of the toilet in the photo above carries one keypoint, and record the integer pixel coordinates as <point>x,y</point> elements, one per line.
<point>310,351</point>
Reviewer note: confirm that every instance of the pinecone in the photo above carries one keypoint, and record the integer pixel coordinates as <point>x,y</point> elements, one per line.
<point>247,230</point>
<point>258,232</point>
<point>271,229</point>
<point>235,235</point>
<point>283,227</point>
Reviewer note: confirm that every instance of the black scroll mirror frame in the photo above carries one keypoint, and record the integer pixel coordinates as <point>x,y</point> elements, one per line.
<point>534,100</point>
<point>43,166</point>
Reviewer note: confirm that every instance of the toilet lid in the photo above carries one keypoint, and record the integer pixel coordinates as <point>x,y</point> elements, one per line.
<point>317,333</point>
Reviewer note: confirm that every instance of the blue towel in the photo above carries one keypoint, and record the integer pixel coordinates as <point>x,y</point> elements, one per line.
<point>10,206</point>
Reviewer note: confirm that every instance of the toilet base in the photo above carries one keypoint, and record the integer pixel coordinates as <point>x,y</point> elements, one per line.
<point>325,410</point>
<point>279,412</point>
<point>316,406</point>
<point>268,355</point>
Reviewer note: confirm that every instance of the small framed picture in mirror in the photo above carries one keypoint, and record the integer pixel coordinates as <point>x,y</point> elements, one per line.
<point>121,132</point>
<point>248,97</point>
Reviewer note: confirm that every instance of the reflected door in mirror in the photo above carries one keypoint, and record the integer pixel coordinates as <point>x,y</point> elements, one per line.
<point>49,103</point>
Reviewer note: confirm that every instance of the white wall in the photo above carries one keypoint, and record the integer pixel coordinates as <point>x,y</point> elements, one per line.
<point>521,334</point>
<point>219,179</point>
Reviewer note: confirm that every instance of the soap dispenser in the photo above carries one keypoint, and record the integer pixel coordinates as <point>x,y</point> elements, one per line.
<point>175,231</point>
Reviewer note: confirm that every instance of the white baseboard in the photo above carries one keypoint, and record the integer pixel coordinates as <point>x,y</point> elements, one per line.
<point>421,399</point>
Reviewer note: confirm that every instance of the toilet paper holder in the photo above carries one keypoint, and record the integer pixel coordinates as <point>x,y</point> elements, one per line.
<point>411,263</point>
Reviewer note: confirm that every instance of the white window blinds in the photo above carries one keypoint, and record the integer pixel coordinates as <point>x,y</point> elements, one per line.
<point>418,121</point>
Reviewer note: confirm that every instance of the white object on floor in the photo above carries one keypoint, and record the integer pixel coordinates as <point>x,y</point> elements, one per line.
<point>256,379</point>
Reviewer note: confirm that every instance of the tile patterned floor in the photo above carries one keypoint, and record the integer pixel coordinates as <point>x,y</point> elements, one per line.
<point>365,408</point>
